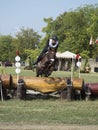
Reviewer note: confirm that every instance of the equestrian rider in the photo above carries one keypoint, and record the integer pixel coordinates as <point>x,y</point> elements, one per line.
<point>52,43</point>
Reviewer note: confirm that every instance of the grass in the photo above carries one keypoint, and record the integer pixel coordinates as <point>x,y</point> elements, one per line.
<point>88,77</point>
<point>49,111</point>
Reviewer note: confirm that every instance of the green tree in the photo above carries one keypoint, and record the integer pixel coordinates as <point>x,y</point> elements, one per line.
<point>6,48</point>
<point>32,53</point>
<point>27,39</point>
<point>74,29</point>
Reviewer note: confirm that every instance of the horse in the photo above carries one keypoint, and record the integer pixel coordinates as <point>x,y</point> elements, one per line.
<point>45,67</point>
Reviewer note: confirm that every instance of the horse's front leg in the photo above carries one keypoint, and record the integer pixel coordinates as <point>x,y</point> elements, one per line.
<point>37,72</point>
<point>37,75</point>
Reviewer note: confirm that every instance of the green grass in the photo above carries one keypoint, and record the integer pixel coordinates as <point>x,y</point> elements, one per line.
<point>88,77</point>
<point>49,112</point>
<point>11,70</point>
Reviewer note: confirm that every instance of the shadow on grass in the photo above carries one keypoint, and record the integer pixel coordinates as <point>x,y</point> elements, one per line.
<point>41,96</point>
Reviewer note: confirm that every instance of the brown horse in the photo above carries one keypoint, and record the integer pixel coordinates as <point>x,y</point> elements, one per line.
<point>45,67</point>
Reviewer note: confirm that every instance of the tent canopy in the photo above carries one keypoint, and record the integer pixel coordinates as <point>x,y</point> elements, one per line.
<point>66,54</point>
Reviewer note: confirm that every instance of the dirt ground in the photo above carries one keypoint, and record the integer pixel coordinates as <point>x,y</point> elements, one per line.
<point>5,126</point>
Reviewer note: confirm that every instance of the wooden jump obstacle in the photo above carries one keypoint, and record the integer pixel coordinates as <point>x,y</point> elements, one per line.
<point>41,84</point>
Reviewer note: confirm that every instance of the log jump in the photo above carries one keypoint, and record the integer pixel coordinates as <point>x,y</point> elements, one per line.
<point>41,84</point>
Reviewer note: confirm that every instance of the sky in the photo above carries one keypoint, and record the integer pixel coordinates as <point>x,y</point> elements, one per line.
<point>15,14</point>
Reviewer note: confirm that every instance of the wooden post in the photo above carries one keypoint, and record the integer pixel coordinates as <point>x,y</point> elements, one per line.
<point>21,91</point>
<point>69,89</point>
<point>69,92</point>
<point>1,90</point>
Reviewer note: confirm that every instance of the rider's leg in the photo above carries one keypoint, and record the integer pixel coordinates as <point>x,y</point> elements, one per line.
<point>40,56</point>
<point>38,59</point>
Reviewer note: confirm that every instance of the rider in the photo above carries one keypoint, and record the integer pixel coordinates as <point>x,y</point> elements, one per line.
<point>52,43</point>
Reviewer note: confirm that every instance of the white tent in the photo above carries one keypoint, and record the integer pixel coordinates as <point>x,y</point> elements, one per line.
<point>59,55</point>
<point>66,54</point>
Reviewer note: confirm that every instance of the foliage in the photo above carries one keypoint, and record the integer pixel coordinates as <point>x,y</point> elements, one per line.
<point>6,48</point>
<point>85,54</point>
<point>28,39</point>
<point>32,53</point>
<point>73,29</point>
<point>86,67</point>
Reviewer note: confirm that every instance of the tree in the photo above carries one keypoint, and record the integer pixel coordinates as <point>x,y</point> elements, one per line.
<point>32,53</point>
<point>6,48</point>
<point>28,39</point>
<point>74,29</point>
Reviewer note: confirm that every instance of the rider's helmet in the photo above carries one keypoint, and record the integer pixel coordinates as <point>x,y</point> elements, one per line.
<point>55,38</point>
<point>53,42</point>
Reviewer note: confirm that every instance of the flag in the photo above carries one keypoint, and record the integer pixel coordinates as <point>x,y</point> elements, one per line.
<point>96,40</point>
<point>91,41</point>
<point>77,56</point>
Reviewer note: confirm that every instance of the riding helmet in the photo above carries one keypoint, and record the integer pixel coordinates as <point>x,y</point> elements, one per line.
<point>55,38</point>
